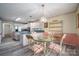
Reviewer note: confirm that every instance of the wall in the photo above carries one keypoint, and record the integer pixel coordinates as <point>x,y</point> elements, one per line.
<point>69,22</point>
<point>77,12</point>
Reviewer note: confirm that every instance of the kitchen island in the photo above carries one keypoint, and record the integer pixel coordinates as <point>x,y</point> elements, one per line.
<point>23,38</point>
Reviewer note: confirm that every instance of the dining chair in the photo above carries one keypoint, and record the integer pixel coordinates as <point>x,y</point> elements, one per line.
<point>57,48</point>
<point>34,46</point>
<point>37,48</point>
<point>30,39</point>
<point>71,43</point>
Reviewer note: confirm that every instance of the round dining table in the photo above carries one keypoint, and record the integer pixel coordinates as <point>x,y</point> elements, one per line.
<point>45,42</point>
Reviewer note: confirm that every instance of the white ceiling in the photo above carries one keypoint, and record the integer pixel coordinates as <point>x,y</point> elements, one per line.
<point>12,11</point>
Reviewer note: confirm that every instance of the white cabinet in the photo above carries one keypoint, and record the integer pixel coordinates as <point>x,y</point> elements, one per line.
<point>0,37</point>
<point>0,31</point>
<point>23,40</point>
<point>16,36</point>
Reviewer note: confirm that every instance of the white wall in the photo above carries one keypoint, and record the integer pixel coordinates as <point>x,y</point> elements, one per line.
<point>69,22</point>
<point>77,12</point>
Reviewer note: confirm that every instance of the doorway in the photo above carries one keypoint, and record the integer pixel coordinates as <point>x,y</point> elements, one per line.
<point>7,32</point>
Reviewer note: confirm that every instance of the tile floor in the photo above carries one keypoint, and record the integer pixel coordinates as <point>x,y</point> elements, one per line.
<point>13,48</point>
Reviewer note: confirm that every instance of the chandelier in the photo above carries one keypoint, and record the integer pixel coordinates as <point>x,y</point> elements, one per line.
<point>43,18</point>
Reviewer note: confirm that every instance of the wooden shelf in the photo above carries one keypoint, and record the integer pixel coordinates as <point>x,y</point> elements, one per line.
<point>55,22</point>
<point>55,26</point>
<point>55,30</point>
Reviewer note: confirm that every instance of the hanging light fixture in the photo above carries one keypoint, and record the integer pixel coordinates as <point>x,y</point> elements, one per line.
<point>43,18</point>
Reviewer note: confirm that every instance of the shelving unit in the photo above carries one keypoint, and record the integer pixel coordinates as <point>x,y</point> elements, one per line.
<point>55,26</point>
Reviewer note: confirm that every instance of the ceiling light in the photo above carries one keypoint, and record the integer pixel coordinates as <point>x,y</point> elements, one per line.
<point>18,19</point>
<point>43,18</point>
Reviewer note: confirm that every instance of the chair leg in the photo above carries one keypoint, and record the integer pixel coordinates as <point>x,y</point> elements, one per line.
<point>34,54</point>
<point>63,49</point>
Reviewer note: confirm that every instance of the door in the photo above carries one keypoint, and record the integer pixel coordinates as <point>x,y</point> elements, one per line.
<point>0,30</point>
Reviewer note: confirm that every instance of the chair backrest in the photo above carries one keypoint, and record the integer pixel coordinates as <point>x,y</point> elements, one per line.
<point>63,37</point>
<point>30,38</point>
<point>72,39</point>
<point>61,42</point>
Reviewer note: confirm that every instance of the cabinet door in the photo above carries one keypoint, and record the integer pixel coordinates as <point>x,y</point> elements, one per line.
<point>0,30</point>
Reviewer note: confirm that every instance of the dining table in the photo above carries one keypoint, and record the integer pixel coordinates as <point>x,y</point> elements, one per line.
<point>45,42</point>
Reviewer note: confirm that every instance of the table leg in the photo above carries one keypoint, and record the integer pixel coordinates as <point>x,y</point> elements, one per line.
<point>44,48</point>
<point>46,51</point>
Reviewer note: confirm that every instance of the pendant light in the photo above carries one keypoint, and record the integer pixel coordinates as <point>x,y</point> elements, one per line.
<point>43,18</point>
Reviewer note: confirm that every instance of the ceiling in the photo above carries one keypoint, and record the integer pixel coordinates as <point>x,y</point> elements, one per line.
<point>11,11</point>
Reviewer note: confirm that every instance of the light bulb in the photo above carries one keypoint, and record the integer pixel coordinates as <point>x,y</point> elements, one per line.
<point>18,19</point>
<point>43,19</point>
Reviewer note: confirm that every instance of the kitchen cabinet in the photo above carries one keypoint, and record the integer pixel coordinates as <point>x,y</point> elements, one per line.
<point>0,31</point>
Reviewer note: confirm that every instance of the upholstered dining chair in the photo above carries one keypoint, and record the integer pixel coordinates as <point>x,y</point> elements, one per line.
<point>30,39</point>
<point>57,49</point>
<point>35,47</point>
<point>71,43</point>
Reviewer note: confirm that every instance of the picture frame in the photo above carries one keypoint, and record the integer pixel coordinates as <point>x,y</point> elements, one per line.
<point>46,25</point>
<point>77,20</point>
